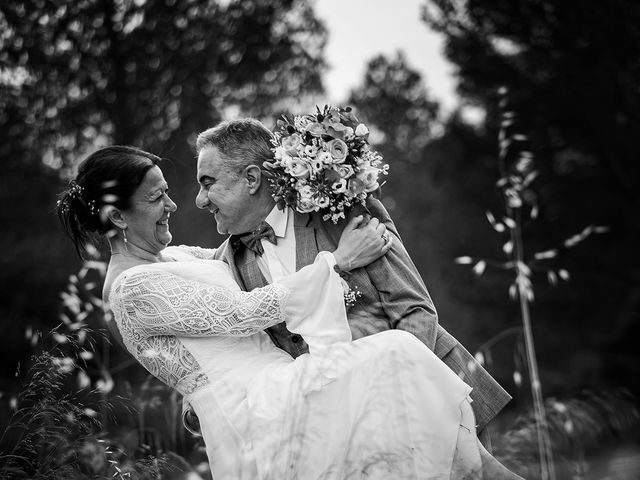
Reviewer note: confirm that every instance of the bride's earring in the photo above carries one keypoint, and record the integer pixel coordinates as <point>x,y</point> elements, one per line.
<point>126,242</point>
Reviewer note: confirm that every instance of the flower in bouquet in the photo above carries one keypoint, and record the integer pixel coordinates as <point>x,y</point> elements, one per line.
<point>323,163</point>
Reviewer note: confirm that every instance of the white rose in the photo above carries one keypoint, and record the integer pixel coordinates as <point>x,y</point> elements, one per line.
<point>338,150</point>
<point>369,177</point>
<point>348,133</point>
<point>290,143</point>
<point>316,129</point>
<point>344,170</point>
<point>361,130</point>
<point>298,168</point>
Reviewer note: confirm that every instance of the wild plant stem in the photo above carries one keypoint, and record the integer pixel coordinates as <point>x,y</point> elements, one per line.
<point>547,470</point>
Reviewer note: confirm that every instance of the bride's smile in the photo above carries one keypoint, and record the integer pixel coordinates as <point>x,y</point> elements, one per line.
<point>147,220</point>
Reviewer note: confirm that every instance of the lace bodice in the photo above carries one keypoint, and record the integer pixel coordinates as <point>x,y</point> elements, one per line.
<point>159,308</point>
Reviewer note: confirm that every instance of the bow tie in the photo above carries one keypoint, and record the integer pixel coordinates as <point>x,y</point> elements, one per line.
<point>252,241</point>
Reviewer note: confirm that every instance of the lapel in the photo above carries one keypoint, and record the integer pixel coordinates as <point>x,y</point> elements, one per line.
<point>244,267</point>
<point>249,270</point>
<point>311,238</point>
<point>306,247</point>
<point>228,257</point>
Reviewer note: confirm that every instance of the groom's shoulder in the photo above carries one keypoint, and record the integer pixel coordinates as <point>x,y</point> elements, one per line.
<point>222,250</point>
<point>377,209</point>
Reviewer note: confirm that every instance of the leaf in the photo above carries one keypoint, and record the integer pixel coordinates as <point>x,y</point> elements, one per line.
<point>559,407</point>
<point>546,254</point>
<point>530,178</point>
<point>524,269</point>
<point>509,222</point>
<point>59,338</point>
<point>85,355</point>
<point>83,380</point>
<point>90,412</point>
<point>464,260</point>
<point>497,226</point>
<point>517,378</point>
<point>479,267</point>
<point>564,274</point>
<point>568,427</point>
<point>530,296</point>
<point>502,182</point>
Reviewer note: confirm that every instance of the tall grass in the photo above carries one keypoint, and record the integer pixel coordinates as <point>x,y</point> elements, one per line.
<point>516,183</point>
<point>85,409</point>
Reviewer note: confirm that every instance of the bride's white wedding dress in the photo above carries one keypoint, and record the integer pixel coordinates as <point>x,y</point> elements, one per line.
<point>381,407</point>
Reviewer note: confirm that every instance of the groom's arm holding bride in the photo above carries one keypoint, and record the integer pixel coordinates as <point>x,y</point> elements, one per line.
<point>403,294</point>
<point>395,296</point>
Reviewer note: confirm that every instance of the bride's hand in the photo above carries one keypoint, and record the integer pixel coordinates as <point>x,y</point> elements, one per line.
<point>361,243</point>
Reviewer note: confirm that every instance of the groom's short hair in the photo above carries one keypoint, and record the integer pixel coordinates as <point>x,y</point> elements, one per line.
<point>241,142</point>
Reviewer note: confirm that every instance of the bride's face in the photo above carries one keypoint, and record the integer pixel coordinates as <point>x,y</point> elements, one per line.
<point>148,216</point>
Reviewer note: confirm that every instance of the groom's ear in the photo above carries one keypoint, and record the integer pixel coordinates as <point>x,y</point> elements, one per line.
<point>253,176</point>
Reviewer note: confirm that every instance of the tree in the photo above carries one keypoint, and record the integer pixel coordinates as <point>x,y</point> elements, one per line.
<point>141,72</point>
<point>572,72</point>
<point>393,98</point>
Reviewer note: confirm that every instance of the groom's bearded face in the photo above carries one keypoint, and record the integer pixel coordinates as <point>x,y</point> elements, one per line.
<point>224,193</point>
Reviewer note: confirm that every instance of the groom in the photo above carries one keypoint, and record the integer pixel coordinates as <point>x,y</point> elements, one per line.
<point>234,189</point>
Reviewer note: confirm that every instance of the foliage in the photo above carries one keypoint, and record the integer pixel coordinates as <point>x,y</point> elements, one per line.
<point>393,97</point>
<point>54,434</point>
<point>86,412</point>
<point>583,429</point>
<point>571,73</point>
<point>568,71</point>
<point>517,175</point>
<point>80,74</point>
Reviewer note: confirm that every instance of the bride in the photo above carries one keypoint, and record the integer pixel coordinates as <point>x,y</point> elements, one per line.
<point>381,407</point>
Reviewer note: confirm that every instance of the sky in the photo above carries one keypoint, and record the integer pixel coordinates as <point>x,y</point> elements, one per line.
<point>361,29</point>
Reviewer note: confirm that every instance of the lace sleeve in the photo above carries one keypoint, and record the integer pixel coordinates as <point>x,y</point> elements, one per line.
<point>162,303</point>
<point>198,252</point>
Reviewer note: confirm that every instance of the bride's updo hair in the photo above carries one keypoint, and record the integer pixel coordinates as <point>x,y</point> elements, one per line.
<point>107,177</point>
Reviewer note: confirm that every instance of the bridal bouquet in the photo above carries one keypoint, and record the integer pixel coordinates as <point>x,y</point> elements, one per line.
<point>323,163</point>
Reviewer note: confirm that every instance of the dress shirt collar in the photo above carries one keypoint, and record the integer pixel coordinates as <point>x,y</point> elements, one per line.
<point>278,219</point>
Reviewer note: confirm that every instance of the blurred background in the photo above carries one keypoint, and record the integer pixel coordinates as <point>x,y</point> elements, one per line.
<point>424,75</point>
